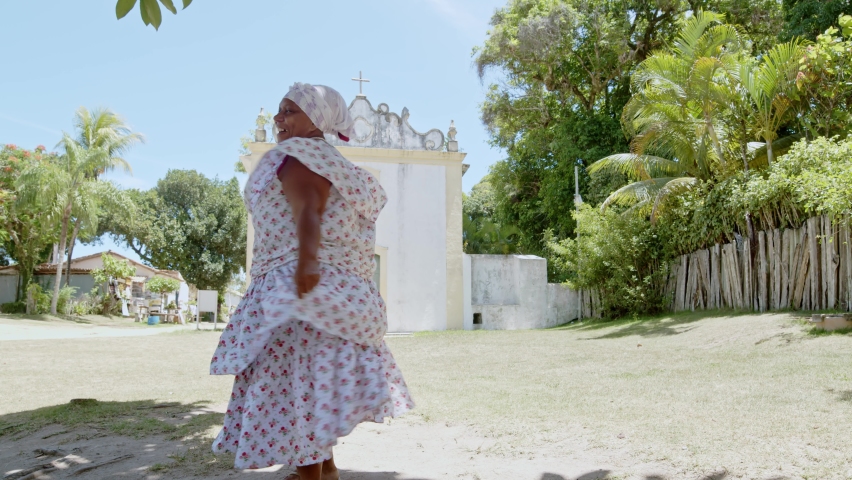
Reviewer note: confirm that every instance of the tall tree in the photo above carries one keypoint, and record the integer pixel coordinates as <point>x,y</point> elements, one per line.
<point>561,71</point>
<point>29,227</point>
<point>760,20</point>
<point>809,18</point>
<point>674,115</point>
<point>771,85</point>
<point>825,83</point>
<point>101,128</point>
<point>189,223</point>
<point>66,185</point>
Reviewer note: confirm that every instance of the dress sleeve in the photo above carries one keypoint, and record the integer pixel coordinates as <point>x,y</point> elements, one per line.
<point>359,188</point>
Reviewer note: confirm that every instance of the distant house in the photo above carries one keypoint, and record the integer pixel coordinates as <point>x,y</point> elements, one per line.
<point>81,277</point>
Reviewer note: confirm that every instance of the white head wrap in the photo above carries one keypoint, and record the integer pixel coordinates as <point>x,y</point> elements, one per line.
<point>325,107</point>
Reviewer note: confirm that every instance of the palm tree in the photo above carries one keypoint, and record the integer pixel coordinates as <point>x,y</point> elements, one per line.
<point>66,187</point>
<point>101,128</point>
<point>674,113</point>
<point>769,83</point>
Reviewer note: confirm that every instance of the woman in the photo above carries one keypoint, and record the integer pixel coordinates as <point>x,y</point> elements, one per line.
<point>306,344</point>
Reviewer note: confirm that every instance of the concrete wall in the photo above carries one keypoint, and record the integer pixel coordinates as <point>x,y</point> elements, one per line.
<point>9,283</point>
<point>562,305</point>
<point>8,288</point>
<point>511,292</point>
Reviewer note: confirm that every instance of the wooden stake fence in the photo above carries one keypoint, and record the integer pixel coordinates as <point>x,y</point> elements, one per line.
<point>809,268</point>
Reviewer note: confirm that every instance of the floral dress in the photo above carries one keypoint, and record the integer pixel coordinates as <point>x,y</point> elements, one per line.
<point>307,371</point>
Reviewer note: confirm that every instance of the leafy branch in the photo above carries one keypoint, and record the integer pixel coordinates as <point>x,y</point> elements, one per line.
<point>149,10</point>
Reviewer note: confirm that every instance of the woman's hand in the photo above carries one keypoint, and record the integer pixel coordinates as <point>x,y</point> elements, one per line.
<point>307,276</point>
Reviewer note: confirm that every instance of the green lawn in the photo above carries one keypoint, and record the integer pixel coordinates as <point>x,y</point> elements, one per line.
<point>748,393</point>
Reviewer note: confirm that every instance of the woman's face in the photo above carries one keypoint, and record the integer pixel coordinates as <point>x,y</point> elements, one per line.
<point>293,122</point>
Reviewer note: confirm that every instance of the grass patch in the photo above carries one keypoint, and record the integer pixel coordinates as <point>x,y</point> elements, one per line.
<point>132,419</point>
<point>821,332</point>
<point>695,390</point>
<point>193,428</point>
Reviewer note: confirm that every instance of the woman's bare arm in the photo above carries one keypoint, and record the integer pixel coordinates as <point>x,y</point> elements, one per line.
<point>307,194</point>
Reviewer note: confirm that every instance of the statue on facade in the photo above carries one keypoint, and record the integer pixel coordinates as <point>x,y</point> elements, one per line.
<point>260,133</point>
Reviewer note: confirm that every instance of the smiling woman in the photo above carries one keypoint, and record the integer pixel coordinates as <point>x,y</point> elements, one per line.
<point>306,344</point>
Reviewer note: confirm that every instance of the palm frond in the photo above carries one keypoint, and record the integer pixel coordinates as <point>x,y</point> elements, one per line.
<point>637,167</point>
<point>676,186</point>
<point>637,192</point>
<point>688,40</point>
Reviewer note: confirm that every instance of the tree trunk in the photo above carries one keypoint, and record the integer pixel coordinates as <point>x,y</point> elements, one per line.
<point>770,156</point>
<point>744,152</point>
<point>63,238</point>
<point>74,234</point>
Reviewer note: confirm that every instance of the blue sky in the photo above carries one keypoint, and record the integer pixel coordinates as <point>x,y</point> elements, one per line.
<point>195,87</point>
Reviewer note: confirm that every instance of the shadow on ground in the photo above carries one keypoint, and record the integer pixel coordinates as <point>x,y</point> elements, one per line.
<point>87,438</point>
<point>842,395</point>
<point>664,325</point>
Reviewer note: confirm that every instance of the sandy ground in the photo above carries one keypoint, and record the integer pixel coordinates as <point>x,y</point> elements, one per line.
<point>409,448</point>
<point>422,451</point>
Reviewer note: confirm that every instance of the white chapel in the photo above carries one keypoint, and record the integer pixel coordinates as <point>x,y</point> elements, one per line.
<point>420,265</point>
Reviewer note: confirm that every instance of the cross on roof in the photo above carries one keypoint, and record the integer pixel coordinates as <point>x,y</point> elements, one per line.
<point>360,81</point>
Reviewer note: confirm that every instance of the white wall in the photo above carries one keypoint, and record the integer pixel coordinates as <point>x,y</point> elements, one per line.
<point>468,299</point>
<point>511,292</point>
<point>415,217</point>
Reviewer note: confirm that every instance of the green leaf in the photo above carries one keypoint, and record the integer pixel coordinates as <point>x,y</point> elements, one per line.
<point>169,5</point>
<point>144,12</point>
<point>186,3</point>
<point>151,10</point>
<point>123,7</point>
<point>845,22</point>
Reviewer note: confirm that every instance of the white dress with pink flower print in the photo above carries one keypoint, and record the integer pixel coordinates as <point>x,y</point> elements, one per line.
<point>308,370</point>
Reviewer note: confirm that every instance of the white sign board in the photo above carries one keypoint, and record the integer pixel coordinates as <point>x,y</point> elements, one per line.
<point>208,301</point>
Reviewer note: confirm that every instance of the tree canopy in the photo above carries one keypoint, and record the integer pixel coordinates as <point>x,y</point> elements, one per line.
<point>809,18</point>
<point>189,223</point>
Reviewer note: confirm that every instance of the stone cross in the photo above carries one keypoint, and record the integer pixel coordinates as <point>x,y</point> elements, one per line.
<point>360,81</point>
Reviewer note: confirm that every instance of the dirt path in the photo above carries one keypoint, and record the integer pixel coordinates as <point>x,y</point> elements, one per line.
<point>406,449</point>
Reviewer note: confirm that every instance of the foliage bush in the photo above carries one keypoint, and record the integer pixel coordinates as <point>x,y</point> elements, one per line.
<point>87,304</point>
<point>65,305</point>
<point>13,307</point>
<point>162,285</point>
<point>618,255</point>
<point>813,178</point>
<point>38,299</point>
<point>482,232</point>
